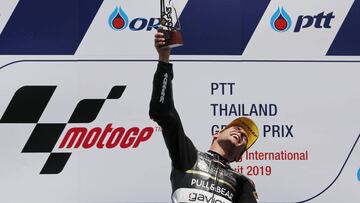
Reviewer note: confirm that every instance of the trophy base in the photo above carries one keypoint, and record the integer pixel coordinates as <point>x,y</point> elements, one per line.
<point>173,38</point>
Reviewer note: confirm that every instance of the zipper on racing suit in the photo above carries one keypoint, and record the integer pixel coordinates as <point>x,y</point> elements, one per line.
<point>215,161</point>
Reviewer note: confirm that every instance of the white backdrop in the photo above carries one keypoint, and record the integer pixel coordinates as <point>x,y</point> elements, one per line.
<point>318,101</point>
<point>323,114</point>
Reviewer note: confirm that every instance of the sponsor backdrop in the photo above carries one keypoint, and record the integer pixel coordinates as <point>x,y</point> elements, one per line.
<point>75,85</point>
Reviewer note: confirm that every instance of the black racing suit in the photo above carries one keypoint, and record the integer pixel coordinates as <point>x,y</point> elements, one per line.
<point>195,176</point>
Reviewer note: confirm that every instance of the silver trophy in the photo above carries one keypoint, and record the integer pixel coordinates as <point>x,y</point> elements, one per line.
<point>170,24</point>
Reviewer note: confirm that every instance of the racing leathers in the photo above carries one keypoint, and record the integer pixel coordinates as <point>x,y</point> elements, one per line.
<point>202,177</point>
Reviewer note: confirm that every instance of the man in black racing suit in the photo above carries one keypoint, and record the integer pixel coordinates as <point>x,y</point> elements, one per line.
<point>203,177</point>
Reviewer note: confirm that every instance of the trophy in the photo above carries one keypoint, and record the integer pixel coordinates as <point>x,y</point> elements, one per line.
<point>170,24</point>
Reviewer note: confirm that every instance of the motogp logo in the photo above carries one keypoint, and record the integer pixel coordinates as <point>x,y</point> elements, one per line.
<point>28,104</point>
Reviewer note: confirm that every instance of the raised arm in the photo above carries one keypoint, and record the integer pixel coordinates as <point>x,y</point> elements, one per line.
<point>162,110</point>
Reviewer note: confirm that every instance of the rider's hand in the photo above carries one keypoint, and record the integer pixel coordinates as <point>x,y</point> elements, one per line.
<point>164,52</point>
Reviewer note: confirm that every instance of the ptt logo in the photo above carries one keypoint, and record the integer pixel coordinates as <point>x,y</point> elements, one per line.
<point>281,21</point>
<point>119,20</point>
<point>29,103</point>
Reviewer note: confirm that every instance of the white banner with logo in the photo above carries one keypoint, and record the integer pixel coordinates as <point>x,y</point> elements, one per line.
<point>306,113</point>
